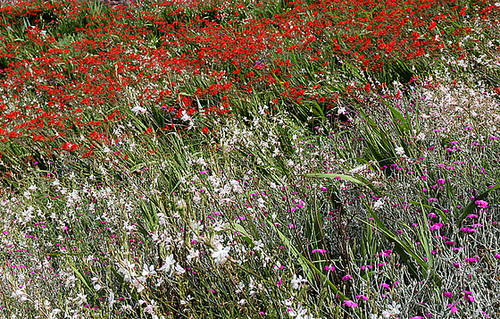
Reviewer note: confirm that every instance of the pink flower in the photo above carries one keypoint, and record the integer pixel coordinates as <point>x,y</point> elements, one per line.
<point>346,277</point>
<point>471,260</point>
<point>454,307</point>
<point>385,253</point>
<point>468,230</point>
<point>468,296</point>
<point>441,181</point>
<point>436,226</point>
<point>432,199</point>
<point>497,256</point>
<point>321,251</point>
<point>350,303</point>
<point>447,294</point>
<point>481,204</point>
<point>386,286</point>
<point>365,298</point>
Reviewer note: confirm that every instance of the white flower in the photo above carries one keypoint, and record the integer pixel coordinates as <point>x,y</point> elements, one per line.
<point>181,204</point>
<point>185,117</point>
<point>359,169</point>
<point>128,227</point>
<point>20,295</point>
<point>242,302</point>
<point>300,313</point>
<point>421,137</point>
<point>236,186</point>
<point>82,299</point>
<point>220,254</point>
<point>169,262</point>
<point>378,204</point>
<point>53,314</point>
<point>296,282</point>
<point>111,299</point>
<point>137,283</point>
<point>391,311</point>
<point>193,254</point>
<point>138,110</point>
<point>399,151</point>
<point>127,269</point>
<point>258,245</point>
<point>148,272</point>
<point>127,308</point>
<point>150,308</point>
<point>179,270</point>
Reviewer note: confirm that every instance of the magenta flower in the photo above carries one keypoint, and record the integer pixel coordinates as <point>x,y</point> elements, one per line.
<point>454,307</point>
<point>447,294</point>
<point>350,303</point>
<point>365,298</point>
<point>471,260</point>
<point>468,230</point>
<point>386,286</point>
<point>386,253</point>
<point>346,277</point>
<point>441,181</point>
<point>497,256</point>
<point>432,199</point>
<point>436,226</point>
<point>481,204</point>
<point>468,296</point>
<point>321,251</point>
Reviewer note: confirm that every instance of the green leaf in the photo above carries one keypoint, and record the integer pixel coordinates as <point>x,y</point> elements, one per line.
<point>306,264</point>
<point>472,205</point>
<point>403,248</point>
<point>338,176</point>
<point>80,276</point>
<point>440,212</point>
<point>238,228</point>
<point>403,123</point>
